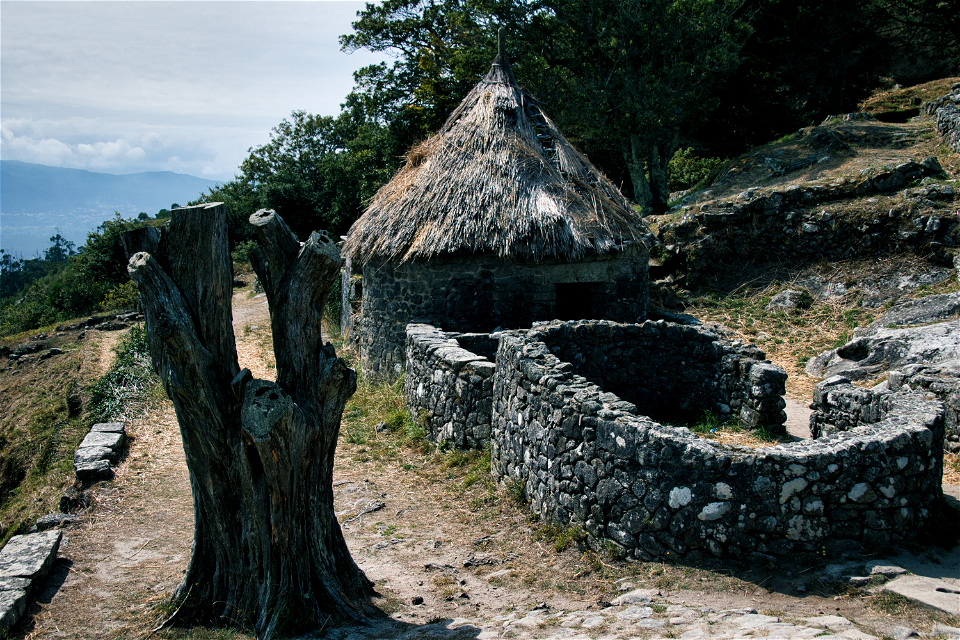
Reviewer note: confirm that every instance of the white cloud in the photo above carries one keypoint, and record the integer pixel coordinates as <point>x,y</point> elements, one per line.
<point>128,147</point>
<point>179,86</point>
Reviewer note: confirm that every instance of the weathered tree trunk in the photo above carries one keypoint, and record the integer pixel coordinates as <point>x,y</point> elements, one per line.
<point>268,552</point>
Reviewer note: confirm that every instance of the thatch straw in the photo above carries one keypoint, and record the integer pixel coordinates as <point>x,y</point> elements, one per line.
<point>498,178</point>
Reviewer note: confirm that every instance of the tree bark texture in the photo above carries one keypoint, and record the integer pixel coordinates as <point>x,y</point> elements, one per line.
<point>268,552</point>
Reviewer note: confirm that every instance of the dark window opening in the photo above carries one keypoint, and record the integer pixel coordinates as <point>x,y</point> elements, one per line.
<point>574,301</point>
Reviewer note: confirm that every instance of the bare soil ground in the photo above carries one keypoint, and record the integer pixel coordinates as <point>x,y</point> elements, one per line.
<point>427,527</point>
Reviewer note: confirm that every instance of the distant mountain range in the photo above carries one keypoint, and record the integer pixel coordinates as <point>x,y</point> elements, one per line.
<point>36,200</point>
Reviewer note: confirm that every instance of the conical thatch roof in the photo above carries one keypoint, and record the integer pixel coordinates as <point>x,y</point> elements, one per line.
<point>497,178</point>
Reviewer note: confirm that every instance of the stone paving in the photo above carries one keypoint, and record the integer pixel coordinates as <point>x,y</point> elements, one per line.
<point>640,615</point>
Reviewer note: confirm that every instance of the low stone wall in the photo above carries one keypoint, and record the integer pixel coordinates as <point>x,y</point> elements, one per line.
<point>841,406</point>
<point>946,113</point>
<point>449,389</point>
<point>656,492</point>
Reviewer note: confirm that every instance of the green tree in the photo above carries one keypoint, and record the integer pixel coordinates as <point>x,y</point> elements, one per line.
<point>59,250</point>
<point>316,172</point>
<point>625,77</point>
<point>637,75</point>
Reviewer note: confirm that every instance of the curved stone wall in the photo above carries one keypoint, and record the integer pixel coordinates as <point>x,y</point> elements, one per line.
<point>658,492</point>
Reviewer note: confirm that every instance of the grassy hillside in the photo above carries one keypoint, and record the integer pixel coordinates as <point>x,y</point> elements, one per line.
<point>48,400</point>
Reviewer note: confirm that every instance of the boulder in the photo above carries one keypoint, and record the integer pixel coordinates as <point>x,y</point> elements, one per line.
<point>109,427</point>
<point>89,455</point>
<point>93,471</point>
<point>13,604</point>
<point>52,520</point>
<point>110,439</point>
<point>790,299</point>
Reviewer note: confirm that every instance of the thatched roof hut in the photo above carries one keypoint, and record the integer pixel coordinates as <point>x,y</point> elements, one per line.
<point>495,221</point>
<point>498,178</point>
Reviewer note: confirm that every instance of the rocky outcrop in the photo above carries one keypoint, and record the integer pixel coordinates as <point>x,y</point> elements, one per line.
<point>762,224</point>
<point>884,349</point>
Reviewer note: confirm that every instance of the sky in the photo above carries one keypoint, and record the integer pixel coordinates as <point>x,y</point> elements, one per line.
<point>165,85</point>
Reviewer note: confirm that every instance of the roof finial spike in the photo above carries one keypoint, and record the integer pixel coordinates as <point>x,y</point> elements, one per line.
<point>502,43</point>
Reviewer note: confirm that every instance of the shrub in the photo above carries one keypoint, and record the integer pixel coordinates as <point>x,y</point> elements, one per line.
<point>686,169</point>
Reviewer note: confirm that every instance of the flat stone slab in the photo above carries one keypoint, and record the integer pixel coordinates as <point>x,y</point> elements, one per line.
<point>86,455</point>
<point>886,570</point>
<point>13,604</point>
<point>93,471</point>
<point>109,439</point>
<point>109,427</point>
<point>15,584</point>
<point>931,592</point>
<point>30,556</point>
<point>637,596</point>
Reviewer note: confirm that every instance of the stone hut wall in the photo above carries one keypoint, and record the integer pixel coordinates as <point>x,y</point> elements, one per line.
<point>481,293</point>
<point>449,389</point>
<point>658,492</point>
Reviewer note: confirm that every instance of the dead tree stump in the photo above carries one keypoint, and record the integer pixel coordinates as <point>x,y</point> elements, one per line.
<point>268,553</point>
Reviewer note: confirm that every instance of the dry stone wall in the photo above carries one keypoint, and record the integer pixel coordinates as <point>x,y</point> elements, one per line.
<point>671,371</point>
<point>448,389</point>
<point>942,380</point>
<point>652,491</point>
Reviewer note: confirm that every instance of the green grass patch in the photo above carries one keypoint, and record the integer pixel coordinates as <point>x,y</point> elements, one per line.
<point>127,382</point>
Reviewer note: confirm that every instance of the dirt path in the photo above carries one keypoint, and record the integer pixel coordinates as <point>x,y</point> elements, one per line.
<point>448,560</point>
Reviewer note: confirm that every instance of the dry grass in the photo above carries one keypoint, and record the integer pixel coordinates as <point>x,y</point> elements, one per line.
<point>738,301</point>
<point>951,468</point>
<point>498,178</point>
<point>884,100</point>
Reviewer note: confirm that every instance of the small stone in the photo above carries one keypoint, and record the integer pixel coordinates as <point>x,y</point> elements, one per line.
<point>888,571</point>
<point>637,596</point>
<point>902,633</point>
<point>593,622</point>
<point>52,520</point>
<point>416,600</point>
<point>859,581</point>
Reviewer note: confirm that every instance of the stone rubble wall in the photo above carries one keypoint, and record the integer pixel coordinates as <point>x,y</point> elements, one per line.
<point>840,406</point>
<point>765,223</point>
<point>671,371</point>
<point>946,113</point>
<point>481,293</point>
<point>651,491</point>
<point>448,389</point>
<point>942,380</point>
